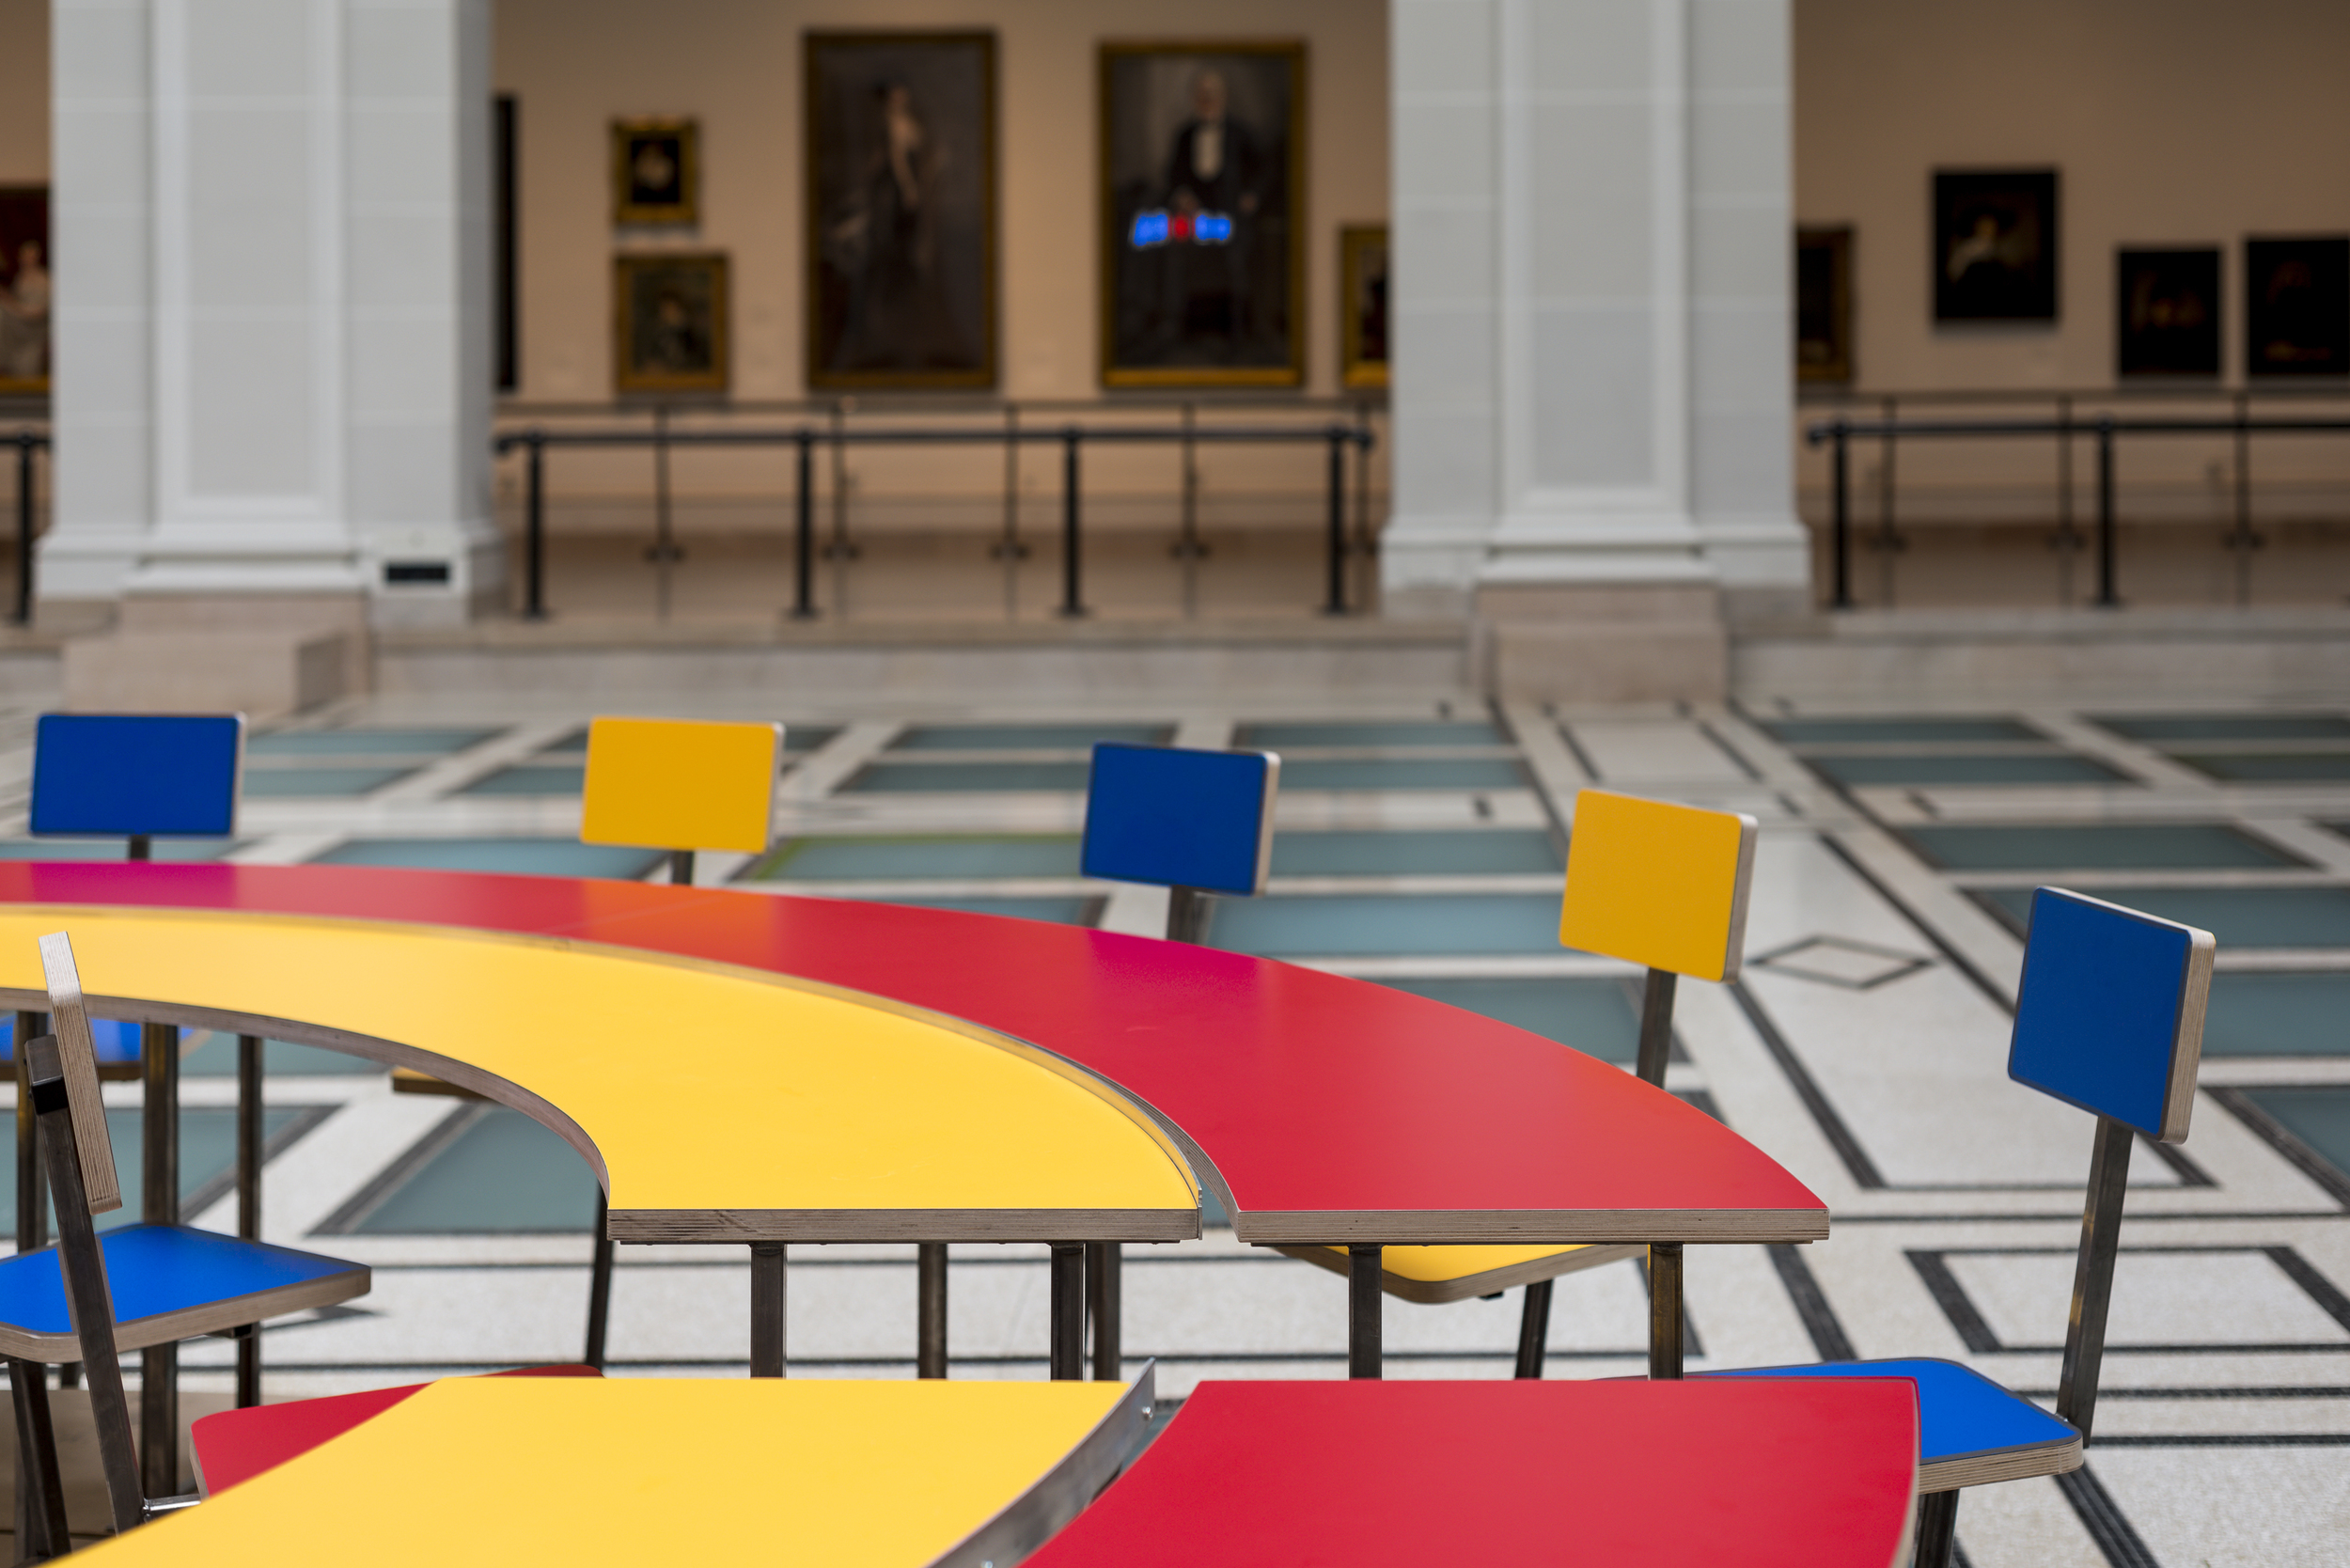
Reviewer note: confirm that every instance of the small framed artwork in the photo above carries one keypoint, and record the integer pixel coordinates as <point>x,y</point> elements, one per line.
<point>2167,312</point>
<point>670,323</point>
<point>656,172</point>
<point>1824,305</point>
<point>1363,291</point>
<point>25,290</point>
<point>1995,245</point>
<point>2296,306</point>
<point>901,186</point>
<point>1203,206</point>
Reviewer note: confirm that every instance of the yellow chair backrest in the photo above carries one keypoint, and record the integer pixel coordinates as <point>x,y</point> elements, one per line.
<point>680,784</point>
<point>1656,885</point>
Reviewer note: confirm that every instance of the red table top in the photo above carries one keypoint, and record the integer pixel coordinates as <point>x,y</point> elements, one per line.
<point>1323,1109</point>
<point>1287,1475</point>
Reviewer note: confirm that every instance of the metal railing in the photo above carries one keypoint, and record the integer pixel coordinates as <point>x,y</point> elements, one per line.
<point>1840,432</point>
<point>26,442</point>
<point>535,442</point>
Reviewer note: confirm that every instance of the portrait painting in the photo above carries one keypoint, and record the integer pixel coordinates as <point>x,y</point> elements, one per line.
<point>2166,306</point>
<point>656,172</point>
<point>1202,154</point>
<point>670,323</point>
<point>24,289</point>
<point>1824,305</point>
<point>1363,296</point>
<point>2296,306</point>
<point>900,185</point>
<point>1995,245</point>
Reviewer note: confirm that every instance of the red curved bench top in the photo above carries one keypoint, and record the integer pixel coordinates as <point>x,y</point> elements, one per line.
<point>1327,1109</point>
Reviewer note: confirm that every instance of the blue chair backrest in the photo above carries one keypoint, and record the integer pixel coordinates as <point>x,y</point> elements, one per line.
<point>1180,818</point>
<point>162,776</point>
<point>2109,1015</point>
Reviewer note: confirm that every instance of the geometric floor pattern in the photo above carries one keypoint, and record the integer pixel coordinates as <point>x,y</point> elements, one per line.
<point>1422,847</point>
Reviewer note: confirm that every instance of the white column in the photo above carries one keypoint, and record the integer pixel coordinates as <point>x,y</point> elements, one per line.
<point>273,373</point>
<point>1593,381</point>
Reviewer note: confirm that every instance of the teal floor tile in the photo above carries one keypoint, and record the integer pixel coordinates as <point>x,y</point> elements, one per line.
<point>905,859</point>
<point>275,783</point>
<point>1280,737</point>
<point>524,856</point>
<point>888,778</point>
<point>531,778</point>
<point>1896,730</point>
<point>2036,768</point>
<point>1461,852</point>
<point>2318,1116</point>
<point>2164,846</point>
<point>2229,727</point>
<point>208,1158</point>
<point>1386,925</point>
<point>113,849</point>
<point>796,738</point>
<point>1428,773</point>
<point>1027,737</point>
<point>2237,917</point>
<point>1596,1017</point>
<point>2267,767</point>
<point>500,1173</point>
<point>1065,912</point>
<point>2279,1015</point>
<point>365,743</point>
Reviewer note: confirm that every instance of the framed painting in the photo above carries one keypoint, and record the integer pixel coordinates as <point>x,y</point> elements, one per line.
<point>900,184</point>
<point>1363,305</point>
<point>656,172</point>
<point>669,323</point>
<point>25,290</point>
<point>2296,306</point>
<point>1824,305</point>
<point>1995,245</point>
<point>2167,312</point>
<point>1203,207</point>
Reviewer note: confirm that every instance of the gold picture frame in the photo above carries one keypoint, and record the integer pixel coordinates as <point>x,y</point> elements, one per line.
<point>669,323</point>
<point>1363,305</point>
<point>656,172</point>
<point>1202,241</point>
<point>900,293</point>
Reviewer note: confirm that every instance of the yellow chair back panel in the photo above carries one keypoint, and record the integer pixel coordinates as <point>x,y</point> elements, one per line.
<point>1657,884</point>
<point>680,784</point>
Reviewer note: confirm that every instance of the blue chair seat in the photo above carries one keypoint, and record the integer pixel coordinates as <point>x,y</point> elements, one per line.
<point>1970,1431</point>
<point>168,1282</point>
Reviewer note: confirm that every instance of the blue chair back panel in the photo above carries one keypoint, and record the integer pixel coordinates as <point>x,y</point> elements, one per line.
<point>2110,1016</point>
<point>108,776</point>
<point>1181,818</point>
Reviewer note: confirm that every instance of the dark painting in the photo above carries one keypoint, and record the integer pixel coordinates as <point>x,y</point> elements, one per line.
<point>1994,246</point>
<point>656,171</point>
<point>2168,305</point>
<point>2296,306</point>
<point>24,289</point>
<point>669,329</point>
<point>1363,291</point>
<point>1203,235</point>
<point>1824,305</point>
<point>901,210</point>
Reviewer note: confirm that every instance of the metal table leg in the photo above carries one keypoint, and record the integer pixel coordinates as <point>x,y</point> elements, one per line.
<point>767,1268</point>
<point>1937,1529</point>
<point>159,1365</point>
<point>1068,1312</point>
<point>1366,1308</point>
<point>1103,1270</point>
<point>930,1310</point>
<point>1534,1329</point>
<point>249,1153</point>
<point>1664,1311</point>
<point>600,1285</point>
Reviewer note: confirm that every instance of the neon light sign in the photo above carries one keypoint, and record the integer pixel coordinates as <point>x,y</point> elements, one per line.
<point>1158,227</point>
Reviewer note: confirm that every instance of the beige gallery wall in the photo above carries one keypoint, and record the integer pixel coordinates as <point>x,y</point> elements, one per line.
<point>23,92</point>
<point>735,66</point>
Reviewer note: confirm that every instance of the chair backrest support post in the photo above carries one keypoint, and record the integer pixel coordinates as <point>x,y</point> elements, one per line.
<point>2093,1275</point>
<point>681,868</point>
<point>1656,1025</point>
<point>1186,914</point>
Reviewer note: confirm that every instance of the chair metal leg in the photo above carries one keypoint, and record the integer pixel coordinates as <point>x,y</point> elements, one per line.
<point>930,1310</point>
<point>1068,1312</point>
<point>159,1365</point>
<point>1664,1311</point>
<point>1104,1268</point>
<point>250,1151</point>
<point>681,868</point>
<point>40,1523</point>
<point>767,1308</point>
<point>1937,1529</point>
<point>1534,1329</point>
<point>599,1286</point>
<point>1366,1313</point>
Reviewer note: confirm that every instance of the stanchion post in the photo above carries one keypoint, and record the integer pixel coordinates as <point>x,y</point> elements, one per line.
<point>535,525</point>
<point>1335,499</point>
<point>2106,597</point>
<point>1839,466</point>
<point>1071,569</point>
<point>24,444</point>
<point>803,531</point>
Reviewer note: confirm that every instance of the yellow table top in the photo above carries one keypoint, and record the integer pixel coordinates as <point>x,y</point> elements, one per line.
<point>718,1104</point>
<point>512,1470</point>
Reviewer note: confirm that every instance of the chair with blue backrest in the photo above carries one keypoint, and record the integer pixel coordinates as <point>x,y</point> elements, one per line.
<point>2108,1018</point>
<point>86,1299</point>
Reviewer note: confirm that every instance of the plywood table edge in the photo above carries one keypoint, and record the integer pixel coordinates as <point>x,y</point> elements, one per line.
<point>1526,1227</point>
<point>1079,1476</point>
<point>701,1226</point>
